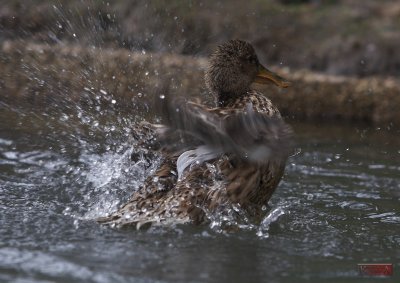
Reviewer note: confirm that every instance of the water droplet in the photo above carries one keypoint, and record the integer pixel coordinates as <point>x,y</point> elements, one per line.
<point>147,73</point>
<point>113,101</point>
<point>205,234</point>
<point>76,223</point>
<point>64,117</point>
<point>74,35</point>
<point>162,96</point>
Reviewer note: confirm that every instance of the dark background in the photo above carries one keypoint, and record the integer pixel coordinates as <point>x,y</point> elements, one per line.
<point>347,37</point>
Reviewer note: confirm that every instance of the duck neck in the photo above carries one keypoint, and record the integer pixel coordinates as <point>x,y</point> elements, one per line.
<point>226,98</point>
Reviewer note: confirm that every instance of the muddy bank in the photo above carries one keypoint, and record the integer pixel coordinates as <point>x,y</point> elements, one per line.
<point>62,76</point>
<point>351,37</point>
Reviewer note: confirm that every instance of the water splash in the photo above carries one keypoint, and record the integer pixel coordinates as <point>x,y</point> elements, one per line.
<point>114,178</point>
<point>272,217</point>
<point>232,217</point>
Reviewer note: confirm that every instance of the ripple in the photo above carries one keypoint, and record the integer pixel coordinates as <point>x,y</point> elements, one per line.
<point>356,205</point>
<point>5,142</point>
<point>387,217</point>
<point>368,195</point>
<point>376,166</point>
<point>330,172</point>
<point>36,263</point>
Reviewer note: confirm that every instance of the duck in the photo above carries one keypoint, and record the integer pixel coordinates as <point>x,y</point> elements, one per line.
<point>231,154</point>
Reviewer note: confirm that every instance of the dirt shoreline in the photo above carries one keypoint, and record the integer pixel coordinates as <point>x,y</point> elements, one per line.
<point>39,75</point>
<point>352,37</point>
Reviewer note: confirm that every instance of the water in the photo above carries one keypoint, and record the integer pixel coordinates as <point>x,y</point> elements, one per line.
<point>338,205</point>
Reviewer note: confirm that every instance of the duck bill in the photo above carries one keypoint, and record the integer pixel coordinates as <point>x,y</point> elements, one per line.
<point>265,76</point>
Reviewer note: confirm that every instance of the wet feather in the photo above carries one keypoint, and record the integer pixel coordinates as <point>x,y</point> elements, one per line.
<point>233,154</point>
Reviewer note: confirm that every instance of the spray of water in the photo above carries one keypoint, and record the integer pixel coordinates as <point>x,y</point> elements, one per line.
<point>87,128</point>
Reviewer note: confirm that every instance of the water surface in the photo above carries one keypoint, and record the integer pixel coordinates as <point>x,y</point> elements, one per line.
<point>338,205</point>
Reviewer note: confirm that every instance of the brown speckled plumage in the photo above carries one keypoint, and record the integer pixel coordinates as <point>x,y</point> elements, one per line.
<point>243,122</point>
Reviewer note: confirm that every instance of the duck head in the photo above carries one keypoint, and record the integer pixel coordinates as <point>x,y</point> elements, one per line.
<point>233,67</point>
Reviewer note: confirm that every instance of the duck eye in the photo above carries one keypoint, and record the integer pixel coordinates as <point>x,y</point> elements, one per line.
<point>252,60</point>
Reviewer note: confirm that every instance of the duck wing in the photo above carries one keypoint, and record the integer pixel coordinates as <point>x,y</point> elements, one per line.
<point>249,134</point>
